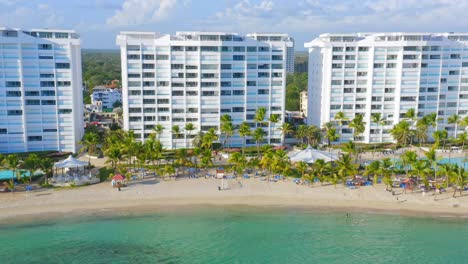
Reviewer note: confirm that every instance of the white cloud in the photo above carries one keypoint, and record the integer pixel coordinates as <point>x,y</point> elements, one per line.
<point>139,12</point>
<point>31,17</point>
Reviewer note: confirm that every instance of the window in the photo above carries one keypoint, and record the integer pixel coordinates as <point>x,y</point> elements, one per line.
<point>33,102</point>
<point>133,57</point>
<point>225,93</point>
<point>238,92</point>
<point>13,84</point>
<point>65,111</point>
<point>209,48</point>
<point>148,57</point>
<point>63,83</point>
<point>148,75</point>
<point>32,93</point>
<point>238,75</point>
<point>133,75</point>
<point>350,48</point>
<point>62,65</point>
<point>238,57</point>
<point>163,101</point>
<point>177,93</point>
<point>13,93</point>
<point>226,66</point>
<point>34,138</point>
<point>237,109</point>
<point>162,57</point>
<point>48,102</point>
<point>44,46</point>
<point>177,48</point>
<point>276,57</point>
<point>15,112</point>
<point>363,49</point>
<point>46,75</point>
<point>48,93</point>
<point>43,57</point>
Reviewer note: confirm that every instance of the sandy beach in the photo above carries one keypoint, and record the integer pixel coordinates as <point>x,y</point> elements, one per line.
<point>151,195</point>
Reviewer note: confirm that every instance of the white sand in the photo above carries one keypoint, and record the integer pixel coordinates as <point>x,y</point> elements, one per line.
<point>151,195</point>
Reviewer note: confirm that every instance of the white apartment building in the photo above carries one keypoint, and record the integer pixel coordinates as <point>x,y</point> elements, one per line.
<point>304,101</point>
<point>106,97</point>
<point>196,77</point>
<point>387,73</point>
<point>41,101</point>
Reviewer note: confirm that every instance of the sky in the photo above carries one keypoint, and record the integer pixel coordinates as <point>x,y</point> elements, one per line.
<point>99,21</point>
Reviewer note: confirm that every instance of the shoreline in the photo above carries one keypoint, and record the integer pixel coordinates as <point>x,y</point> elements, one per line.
<point>151,196</point>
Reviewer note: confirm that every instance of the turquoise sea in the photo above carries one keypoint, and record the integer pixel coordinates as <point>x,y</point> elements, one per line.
<point>237,235</point>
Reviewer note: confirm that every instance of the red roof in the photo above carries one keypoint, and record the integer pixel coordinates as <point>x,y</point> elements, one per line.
<point>118,177</point>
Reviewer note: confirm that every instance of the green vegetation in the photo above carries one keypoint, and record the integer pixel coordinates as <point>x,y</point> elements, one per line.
<point>100,67</point>
<point>295,83</point>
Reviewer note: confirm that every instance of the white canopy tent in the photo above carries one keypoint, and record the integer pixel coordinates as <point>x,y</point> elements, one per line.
<point>310,155</point>
<point>70,162</point>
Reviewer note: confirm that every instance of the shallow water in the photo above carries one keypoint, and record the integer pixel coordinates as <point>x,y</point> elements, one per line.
<point>237,235</point>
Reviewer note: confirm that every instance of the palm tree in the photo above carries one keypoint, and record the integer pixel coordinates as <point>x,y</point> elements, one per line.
<point>158,130</point>
<point>409,157</point>
<point>175,134</point>
<point>46,166</point>
<point>350,148</point>
<point>319,169</point>
<point>244,131</point>
<point>402,132</point>
<point>13,163</point>
<point>421,131</point>
<point>313,135</point>
<point>89,141</point>
<point>439,135</point>
<point>330,132</point>
<point>167,170</point>
<point>260,115</point>
<point>189,127</point>
<point>385,171</point>
<point>302,167</point>
<point>420,169</point>
<point>459,180</point>
<point>358,125</point>
<point>258,136</point>
<point>454,119</point>
<point>209,138</point>
<point>301,132</point>
<point>31,163</point>
<point>377,119</point>
<point>448,171</point>
<point>286,129</point>
<point>238,163</point>
<point>431,156</point>
<point>274,118</point>
<point>114,155</point>
<point>339,118</point>
<point>227,129</point>
<point>410,114</point>
<point>345,167</point>
<point>461,138</point>
<point>373,169</point>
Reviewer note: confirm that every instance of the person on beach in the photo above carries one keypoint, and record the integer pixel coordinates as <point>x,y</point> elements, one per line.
<point>119,185</point>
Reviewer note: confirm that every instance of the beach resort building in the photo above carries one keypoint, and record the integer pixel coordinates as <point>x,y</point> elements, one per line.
<point>106,97</point>
<point>304,101</point>
<point>196,77</point>
<point>387,73</point>
<point>41,101</point>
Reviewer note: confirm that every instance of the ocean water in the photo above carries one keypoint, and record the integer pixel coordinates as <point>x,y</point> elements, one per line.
<point>237,235</point>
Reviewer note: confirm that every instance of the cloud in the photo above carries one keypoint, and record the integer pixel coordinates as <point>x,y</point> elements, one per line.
<point>139,12</point>
<point>30,17</point>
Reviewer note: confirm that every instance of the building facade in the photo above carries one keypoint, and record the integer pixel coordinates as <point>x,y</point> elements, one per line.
<point>304,101</point>
<point>105,96</point>
<point>196,77</point>
<point>41,101</point>
<point>387,73</point>
<point>301,67</point>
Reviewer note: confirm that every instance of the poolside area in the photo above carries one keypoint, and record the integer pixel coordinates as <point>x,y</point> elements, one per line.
<point>8,174</point>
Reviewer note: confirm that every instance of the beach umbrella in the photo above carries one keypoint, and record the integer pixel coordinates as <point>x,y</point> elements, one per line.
<point>118,177</point>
